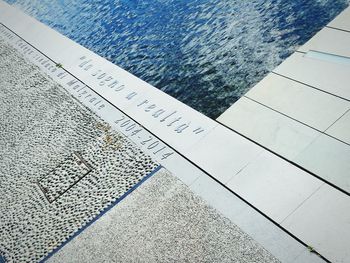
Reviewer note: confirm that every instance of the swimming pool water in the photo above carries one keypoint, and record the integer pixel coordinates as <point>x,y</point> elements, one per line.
<point>206,54</point>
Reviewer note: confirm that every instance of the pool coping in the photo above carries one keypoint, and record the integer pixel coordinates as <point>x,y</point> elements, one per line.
<point>184,142</point>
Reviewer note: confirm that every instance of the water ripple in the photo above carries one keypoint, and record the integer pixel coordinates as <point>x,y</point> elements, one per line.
<point>207,53</point>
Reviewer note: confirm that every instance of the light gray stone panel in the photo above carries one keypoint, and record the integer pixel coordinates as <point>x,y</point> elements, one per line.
<point>331,41</point>
<point>223,153</point>
<point>269,128</point>
<point>341,128</point>
<point>342,21</point>
<point>329,159</point>
<point>324,75</point>
<point>323,222</point>
<point>300,102</point>
<point>274,185</point>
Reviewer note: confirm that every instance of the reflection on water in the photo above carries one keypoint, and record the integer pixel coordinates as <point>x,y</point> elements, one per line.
<point>205,53</point>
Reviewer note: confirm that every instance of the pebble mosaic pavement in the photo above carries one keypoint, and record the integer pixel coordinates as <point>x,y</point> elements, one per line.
<point>41,126</point>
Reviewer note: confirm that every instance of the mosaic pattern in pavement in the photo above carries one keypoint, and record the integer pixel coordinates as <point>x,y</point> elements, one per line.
<point>60,165</point>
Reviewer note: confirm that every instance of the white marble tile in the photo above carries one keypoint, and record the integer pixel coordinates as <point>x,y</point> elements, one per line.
<point>48,41</point>
<point>327,76</point>
<point>323,222</point>
<point>99,80</point>
<point>342,21</point>
<point>269,128</point>
<point>270,236</point>
<point>219,197</point>
<point>166,117</point>
<point>307,105</point>
<point>22,26</point>
<point>20,23</point>
<point>341,129</point>
<point>280,244</point>
<point>331,41</point>
<point>274,186</point>
<point>222,153</point>
<point>182,169</point>
<point>10,14</point>
<point>4,11</point>
<point>329,159</point>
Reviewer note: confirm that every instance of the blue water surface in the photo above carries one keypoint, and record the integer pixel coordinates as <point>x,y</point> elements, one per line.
<point>205,53</point>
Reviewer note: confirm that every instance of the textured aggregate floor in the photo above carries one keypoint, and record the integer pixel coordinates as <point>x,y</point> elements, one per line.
<point>162,221</point>
<point>46,191</point>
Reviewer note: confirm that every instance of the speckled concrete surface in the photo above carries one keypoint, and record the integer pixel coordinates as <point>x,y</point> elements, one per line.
<point>162,221</point>
<point>46,195</point>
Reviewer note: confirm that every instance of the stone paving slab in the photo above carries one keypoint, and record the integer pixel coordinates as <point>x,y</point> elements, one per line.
<point>329,40</point>
<point>342,21</point>
<point>300,102</point>
<point>309,88</point>
<point>341,128</point>
<point>283,135</point>
<point>323,222</point>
